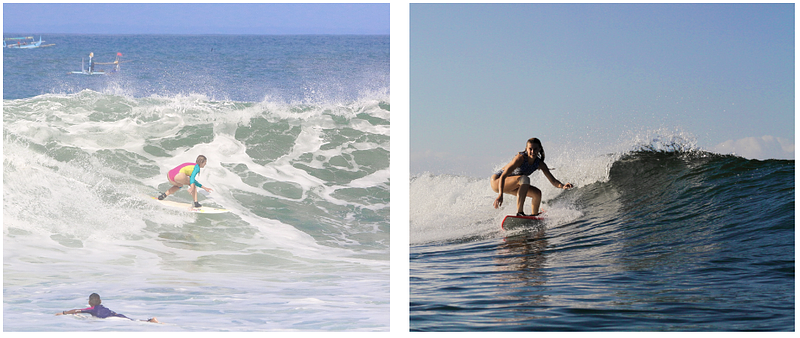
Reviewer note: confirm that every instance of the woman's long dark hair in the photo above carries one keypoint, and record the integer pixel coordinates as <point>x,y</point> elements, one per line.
<point>538,143</point>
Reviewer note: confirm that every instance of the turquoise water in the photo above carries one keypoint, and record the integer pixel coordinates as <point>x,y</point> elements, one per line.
<point>296,131</point>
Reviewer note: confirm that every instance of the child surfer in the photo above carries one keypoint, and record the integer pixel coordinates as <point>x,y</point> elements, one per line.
<point>99,311</point>
<point>513,178</point>
<point>186,174</point>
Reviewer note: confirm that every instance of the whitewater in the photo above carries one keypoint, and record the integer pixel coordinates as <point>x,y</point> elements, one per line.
<point>298,151</point>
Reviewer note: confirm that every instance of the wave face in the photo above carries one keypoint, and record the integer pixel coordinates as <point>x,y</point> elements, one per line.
<point>663,239</point>
<point>306,183</point>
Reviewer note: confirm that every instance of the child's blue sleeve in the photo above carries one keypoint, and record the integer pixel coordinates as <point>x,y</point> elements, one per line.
<point>192,179</point>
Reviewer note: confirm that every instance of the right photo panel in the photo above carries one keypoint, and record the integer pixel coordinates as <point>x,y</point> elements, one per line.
<point>602,167</point>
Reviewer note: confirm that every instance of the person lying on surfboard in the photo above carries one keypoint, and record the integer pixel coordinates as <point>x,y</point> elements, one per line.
<point>186,174</point>
<point>99,311</point>
<point>513,178</point>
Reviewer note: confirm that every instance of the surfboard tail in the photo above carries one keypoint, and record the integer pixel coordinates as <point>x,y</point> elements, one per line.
<point>512,222</point>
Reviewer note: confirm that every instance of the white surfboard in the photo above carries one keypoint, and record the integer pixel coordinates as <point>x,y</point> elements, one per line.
<point>188,207</point>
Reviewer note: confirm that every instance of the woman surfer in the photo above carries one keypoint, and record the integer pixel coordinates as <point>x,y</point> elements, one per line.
<point>513,178</point>
<point>186,174</point>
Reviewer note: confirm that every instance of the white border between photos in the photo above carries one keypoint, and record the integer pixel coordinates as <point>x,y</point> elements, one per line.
<point>399,167</point>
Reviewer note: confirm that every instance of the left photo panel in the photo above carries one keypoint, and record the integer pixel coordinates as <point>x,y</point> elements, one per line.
<point>225,169</point>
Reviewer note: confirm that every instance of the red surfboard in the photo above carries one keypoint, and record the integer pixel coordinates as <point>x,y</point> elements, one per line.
<point>511,222</point>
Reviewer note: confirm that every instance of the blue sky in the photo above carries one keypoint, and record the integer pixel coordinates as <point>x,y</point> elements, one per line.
<point>150,18</point>
<point>486,77</point>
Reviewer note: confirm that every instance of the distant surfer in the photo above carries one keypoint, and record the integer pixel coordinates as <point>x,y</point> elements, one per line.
<point>513,178</point>
<point>116,63</point>
<point>99,311</point>
<point>186,174</point>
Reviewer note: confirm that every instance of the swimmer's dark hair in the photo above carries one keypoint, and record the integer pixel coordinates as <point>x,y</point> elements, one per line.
<point>94,299</point>
<point>201,159</point>
<point>538,143</point>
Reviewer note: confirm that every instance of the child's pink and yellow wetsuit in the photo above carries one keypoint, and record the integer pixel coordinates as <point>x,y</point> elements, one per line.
<point>188,169</point>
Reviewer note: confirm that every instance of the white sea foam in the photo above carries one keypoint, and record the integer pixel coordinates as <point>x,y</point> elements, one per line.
<point>76,219</point>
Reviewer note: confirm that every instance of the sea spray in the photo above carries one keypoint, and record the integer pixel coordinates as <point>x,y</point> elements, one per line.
<point>307,186</point>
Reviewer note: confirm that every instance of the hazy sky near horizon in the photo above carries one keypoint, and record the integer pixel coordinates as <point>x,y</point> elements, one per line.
<point>197,18</point>
<point>486,77</point>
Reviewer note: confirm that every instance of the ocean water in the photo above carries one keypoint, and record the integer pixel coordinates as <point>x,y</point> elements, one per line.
<point>296,131</point>
<point>661,236</point>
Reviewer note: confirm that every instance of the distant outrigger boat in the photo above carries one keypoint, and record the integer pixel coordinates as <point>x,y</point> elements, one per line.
<point>91,71</point>
<point>24,43</point>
